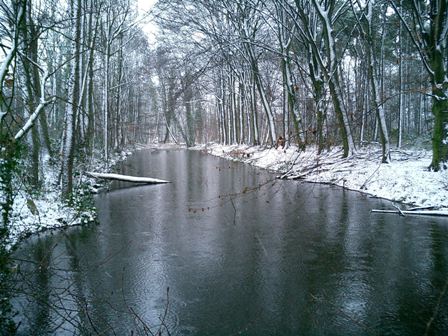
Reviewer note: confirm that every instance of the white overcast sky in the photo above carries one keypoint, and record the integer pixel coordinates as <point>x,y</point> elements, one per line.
<point>145,5</point>
<point>149,28</point>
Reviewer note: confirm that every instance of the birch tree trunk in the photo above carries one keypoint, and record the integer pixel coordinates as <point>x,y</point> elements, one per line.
<point>72,106</point>
<point>258,81</point>
<point>188,103</point>
<point>400,85</point>
<point>106,79</point>
<point>28,47</point>
<point>255,123</point>
<point>285,36</point>
<point>33,47</point>
<point>368,34</point>
<point>92,38</point>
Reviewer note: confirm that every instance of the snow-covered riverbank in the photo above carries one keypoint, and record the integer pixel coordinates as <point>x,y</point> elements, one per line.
<point>45,210</point>
<point>406,179</point>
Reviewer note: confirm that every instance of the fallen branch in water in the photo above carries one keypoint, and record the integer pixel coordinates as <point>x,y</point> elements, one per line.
<point>430,207</point>
<point>400,212</point>
<point>126,178</point>
<point>413,212</point>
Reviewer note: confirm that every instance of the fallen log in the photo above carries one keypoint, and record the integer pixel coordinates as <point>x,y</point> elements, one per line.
<point>126,178</point>
<point>399,210</point>
<point>431,207</point>
<point>413,212</point>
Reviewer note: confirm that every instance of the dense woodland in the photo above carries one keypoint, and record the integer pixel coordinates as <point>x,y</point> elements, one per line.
<point>80,79</point>
<point>314,72</point>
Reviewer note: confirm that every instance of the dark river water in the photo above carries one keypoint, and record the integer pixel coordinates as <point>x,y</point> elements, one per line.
<point>228,250</point>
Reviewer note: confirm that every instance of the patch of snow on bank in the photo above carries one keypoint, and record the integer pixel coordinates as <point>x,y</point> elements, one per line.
<point>406,179</point>
<point>31,214</point>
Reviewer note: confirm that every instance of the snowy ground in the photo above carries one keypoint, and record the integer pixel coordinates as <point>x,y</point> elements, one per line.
<point>46,210</point>
<point>406,179</point>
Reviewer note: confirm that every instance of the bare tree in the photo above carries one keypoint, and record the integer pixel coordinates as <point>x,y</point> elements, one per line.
<point>428,28</point>
<point>367,29</point>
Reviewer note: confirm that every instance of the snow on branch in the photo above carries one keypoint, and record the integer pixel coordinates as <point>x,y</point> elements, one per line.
<point>416,212</point>
<point>2,114</point>
<point>126,178</point>
<point>7,61</point>
<point>415,40</point>
<point>35,114</point>
<point>12,51</point>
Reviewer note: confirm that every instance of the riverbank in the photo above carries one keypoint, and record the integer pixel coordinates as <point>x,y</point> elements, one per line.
<point>45,210</point>
<point>35,212</point>
<point>406,179</point>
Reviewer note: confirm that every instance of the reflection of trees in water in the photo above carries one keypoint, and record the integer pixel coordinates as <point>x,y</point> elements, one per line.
<point>299,256</point>
<point>54,294</point>
<point>6,323</point>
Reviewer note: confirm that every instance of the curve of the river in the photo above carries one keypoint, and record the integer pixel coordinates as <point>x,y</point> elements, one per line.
<point>228,250</point>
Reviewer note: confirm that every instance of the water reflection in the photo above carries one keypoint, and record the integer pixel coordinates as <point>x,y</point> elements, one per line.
<point>241,253</point>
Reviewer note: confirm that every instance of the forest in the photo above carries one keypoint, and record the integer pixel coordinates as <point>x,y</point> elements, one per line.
<point>325,73</point>
<point>80,80</point>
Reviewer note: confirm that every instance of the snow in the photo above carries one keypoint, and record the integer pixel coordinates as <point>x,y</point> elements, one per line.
<point>137,179</point>
<point>406,179</point>
<point>46,210</point>
<point>33,117</point>
<point>51,213</point>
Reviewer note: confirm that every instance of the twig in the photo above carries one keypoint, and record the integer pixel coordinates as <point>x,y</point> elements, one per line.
<point>234,211</point>
<point>162,322</point>
<point>431,320</point>
<point>364,185</point>
<point>145,325</point>
<point>86,310</point>
<point>431,207</point>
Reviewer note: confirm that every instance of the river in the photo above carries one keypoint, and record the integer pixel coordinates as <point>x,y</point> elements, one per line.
<point>225,249</point>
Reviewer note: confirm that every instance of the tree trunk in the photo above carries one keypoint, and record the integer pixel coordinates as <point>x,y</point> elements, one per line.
<point>106,96</point>
<point>400,87</point>
<point>90,132</point>
<point>254,110</point>
<point>32,85</point>
<point>189,103</point>
<point>318,94</point>
<point>376,99</point>
<point>341,114</point>
<point>333,78</point>
<point>71,109</point>
<point>262,93</point>
<point>118,119</point>
<point>437,52</point>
